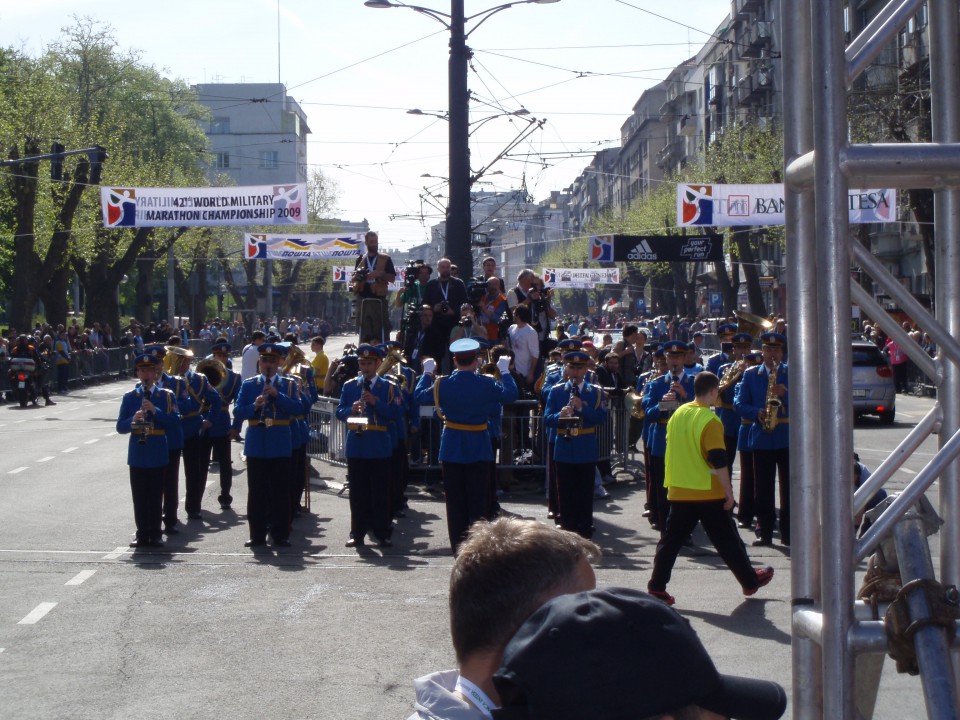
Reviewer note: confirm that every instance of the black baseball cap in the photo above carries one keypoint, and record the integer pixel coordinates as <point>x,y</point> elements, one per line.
<point>619,654</point>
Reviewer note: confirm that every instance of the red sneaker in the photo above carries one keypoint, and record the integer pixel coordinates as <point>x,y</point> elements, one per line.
<point>663,596</point>
<point>763,578</point>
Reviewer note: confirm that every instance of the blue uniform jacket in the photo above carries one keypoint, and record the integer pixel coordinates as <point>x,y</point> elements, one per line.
<point>725,409</point>
<point>751,397</point>
<point>371,443</point>
<point>716,362</point>
<point>652,395</point>
<point>646,425</point>
<point>153,453</point>
<point>466,398</point>
<point>273,440</point>
<point>221,419</point>
<point>201,402</point>
<point>583,447</point>
<point>176,385</point>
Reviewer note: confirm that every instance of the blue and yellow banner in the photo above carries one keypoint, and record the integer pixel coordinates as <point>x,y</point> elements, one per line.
<point>310,247</point>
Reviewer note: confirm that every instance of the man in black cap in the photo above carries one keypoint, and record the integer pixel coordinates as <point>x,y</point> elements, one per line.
<point>619,654</point>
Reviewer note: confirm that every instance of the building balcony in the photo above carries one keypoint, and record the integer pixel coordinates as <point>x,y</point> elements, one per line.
<point>756,39</point>
<point>743,8</point>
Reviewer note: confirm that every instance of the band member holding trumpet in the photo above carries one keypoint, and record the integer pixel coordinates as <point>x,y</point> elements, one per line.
<point>267,402</point>
<point>146,412</point>
<point>171,474</point>
<point>574,410</point>
<point>465,401</point>
<point>367,404</point>
<point>762,401</point>
<point>661,397</point>
<point>730,375</point>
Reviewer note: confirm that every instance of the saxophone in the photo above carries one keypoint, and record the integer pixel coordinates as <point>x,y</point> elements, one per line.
<point>772,405</point>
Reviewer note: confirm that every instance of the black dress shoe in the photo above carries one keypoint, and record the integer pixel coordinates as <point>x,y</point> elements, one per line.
<point>195,516</point>
<point>762,542</point>
<point>49,402</point>
<point>281,543</point>
<point>743,525</point>
<point>171,531</point>
<point>140,544</point>
<point>157,543</point>
<point>354,542</point>
<point>255,543</point>
<point>385,542</point>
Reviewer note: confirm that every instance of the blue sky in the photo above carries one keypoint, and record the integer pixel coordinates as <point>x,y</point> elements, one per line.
<point>579,64</point>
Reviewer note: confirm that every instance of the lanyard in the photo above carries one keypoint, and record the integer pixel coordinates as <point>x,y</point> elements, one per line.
<point>477,696</point>
<point>444,289</point>
<point>370,265</point>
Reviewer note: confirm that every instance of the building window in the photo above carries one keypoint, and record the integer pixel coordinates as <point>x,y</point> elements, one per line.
<point>269,159</point>
<point>222,160</point>
<point>220,126</point>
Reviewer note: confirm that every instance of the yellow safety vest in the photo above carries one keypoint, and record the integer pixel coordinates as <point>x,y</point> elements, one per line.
<point>685,464</point>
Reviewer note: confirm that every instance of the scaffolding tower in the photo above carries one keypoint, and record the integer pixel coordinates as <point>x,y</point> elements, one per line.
<point>834,635</point>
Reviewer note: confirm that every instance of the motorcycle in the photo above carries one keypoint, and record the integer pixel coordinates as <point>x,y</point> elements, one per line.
<point>20,375</point>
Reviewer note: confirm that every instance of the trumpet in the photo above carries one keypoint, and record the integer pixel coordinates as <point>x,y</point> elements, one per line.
<point>145,426</point>
<point>358,422</point>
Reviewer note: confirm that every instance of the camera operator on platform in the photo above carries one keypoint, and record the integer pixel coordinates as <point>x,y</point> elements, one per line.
<point>376,272</point>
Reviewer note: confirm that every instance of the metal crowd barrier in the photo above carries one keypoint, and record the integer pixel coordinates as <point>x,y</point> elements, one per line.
<point>96,366</point>
<point>522,441</point>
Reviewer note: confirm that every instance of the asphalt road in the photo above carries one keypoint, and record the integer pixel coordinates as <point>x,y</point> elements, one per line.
<point>205,627</point>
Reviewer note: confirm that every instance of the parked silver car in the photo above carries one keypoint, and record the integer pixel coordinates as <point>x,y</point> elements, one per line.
<point>873,388</point>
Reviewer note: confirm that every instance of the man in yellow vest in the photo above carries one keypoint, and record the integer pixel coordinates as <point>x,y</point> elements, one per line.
<point>698,489</point>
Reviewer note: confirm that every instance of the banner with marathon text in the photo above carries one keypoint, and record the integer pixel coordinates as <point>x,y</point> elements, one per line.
<point>344,274</point>
<point>659,248</point>
<point>735,205</point>
<point>204,207</point>
<point>309,247</point>
<point>580,278</point>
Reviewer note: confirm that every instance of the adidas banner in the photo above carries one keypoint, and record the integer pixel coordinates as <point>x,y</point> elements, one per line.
<point>663,248</point>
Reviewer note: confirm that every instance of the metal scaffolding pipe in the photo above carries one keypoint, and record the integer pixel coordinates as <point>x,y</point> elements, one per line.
<point>937,330</point>
<point>930,642</point>
<point>896,459</point>
<point>805,478</point>
<point>892,328</point>
<point>873,39</point>
<point>910,494</point>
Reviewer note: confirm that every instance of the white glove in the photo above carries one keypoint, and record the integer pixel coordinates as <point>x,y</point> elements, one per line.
<point>503,364</point>
<point>429,365</point>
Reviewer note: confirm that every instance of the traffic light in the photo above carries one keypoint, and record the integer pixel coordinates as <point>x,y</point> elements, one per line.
<point>97,155</point>
<point>56,162</point>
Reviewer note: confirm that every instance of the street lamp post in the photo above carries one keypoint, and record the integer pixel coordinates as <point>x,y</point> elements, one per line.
<point>458,221</point>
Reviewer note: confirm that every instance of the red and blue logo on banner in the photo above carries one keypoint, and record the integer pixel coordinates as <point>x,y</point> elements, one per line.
<point>601,248</point>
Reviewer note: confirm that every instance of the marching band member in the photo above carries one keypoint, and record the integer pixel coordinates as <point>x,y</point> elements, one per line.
<point>201,403</point>
<point>216,440</point>
<point>464,402</point>
<point>553,374</point>
<point>575,448</point>
<point>267,403</point>
<point>730,374</point>
<point>171,473</point>
<point>146,412</point>
<point>661,397</point>
<point>762,402</point>
<point>367,403</point>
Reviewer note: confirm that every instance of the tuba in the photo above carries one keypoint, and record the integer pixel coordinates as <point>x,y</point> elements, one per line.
<point>177,360</point>
<point>634,403</point>
<point>291,364</point>
<point>752,324</point>
<point>215,371</point>
<point>772,404</point>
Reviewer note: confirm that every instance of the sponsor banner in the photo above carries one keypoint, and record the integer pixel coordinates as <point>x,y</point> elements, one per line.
<point>664,248</point>
<point>204,207</point>
<point>344,274</point>
<point>732,205</point>
<point>310,247</point>
<point>580,278</point>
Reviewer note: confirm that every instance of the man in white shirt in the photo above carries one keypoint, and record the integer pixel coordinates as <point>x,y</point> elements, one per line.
<point>503,572</point>
<point>250,355</point>
<point>524,343</point>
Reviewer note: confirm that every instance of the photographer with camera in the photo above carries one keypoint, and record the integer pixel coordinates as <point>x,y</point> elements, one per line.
<point>468,327</point>
<point>426,341</point>
<point>373,274</point>
<point>530,292</point>
<point>410,300</point>
<point>445,294</point>
<point>493,307</point>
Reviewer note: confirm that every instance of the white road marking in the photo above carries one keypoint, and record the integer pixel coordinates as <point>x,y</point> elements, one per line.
<point>69,449</point>
<point>908,470</point>
<point>45,459</point>
<point>111,434</point>
<point>80,577</point>
<point>17,422</point>
<point>91,442</point>
<point>37,613</point>
<point>17,470</point>
<point>119,552</point>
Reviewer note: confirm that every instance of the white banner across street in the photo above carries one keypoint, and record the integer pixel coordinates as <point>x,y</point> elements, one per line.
<point>580,278</point>
<point>204,207</point>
